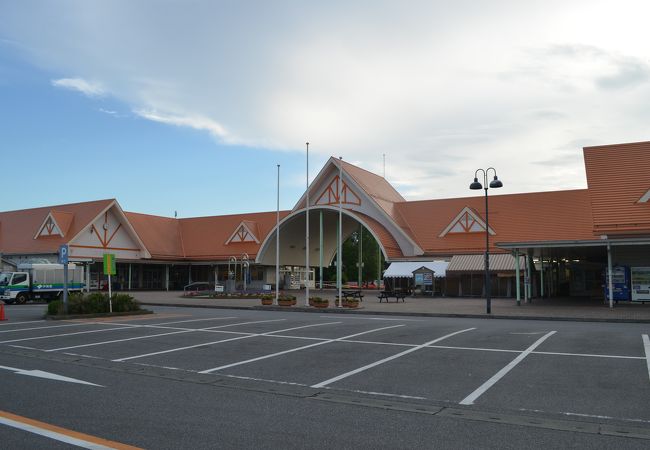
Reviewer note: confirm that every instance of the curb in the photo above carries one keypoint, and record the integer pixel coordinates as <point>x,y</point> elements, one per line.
<point>361,311</point>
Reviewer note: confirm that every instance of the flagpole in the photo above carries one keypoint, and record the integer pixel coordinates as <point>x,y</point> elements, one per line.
<point>307,235</point>
<point>339,259</point>
<point>277,244</point>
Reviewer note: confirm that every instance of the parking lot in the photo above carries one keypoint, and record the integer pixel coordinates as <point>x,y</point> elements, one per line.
<point>571,373</point>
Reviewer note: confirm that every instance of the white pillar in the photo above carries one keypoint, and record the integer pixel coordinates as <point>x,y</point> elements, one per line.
<point>129,276</point>
<point>339,259</point>
<point>307,234</point>
<point>277,244</point>
<point>166,277</point>
<point>610,276</point>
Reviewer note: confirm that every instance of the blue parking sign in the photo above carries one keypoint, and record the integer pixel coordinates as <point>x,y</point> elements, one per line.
<point>63,254</point>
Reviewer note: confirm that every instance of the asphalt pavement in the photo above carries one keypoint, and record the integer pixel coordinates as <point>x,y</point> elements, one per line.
<point>225,378</point>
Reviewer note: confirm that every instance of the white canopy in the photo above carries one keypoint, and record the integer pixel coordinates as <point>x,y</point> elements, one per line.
<point>404,269</point>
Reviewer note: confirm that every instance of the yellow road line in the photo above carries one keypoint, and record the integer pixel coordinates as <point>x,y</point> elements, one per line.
<point>60,434</point>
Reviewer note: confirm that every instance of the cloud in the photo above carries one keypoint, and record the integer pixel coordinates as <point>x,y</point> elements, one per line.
<point>88,88</point>
<point>441,88</point>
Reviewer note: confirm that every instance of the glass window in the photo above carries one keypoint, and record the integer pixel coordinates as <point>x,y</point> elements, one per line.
<point>19,278</point>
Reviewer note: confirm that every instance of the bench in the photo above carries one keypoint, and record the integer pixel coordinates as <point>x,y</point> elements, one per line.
<point>386,295</point>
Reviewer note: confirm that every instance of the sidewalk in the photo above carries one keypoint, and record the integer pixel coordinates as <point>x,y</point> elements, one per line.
<point>551,309</point>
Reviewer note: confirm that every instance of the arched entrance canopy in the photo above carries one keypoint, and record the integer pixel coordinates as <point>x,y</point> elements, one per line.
<point>292,236</point>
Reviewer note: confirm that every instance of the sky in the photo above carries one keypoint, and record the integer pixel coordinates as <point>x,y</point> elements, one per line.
<point>189,106</point>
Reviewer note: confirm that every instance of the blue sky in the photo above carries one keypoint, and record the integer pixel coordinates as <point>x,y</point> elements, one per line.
<point>61,146</point>
<point>188,106</point>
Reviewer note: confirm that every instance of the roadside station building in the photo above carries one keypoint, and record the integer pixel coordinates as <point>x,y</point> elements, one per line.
<point>559,243</point>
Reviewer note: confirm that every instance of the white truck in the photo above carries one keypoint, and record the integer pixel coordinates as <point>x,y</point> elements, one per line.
<point>39,281</point>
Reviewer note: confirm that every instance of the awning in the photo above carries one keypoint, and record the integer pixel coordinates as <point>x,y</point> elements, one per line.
<point>404,269</point>
<point>476,263</point>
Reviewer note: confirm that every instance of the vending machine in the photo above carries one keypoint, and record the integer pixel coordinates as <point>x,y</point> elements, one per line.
<point>640,277</point>
<point>620,283</point>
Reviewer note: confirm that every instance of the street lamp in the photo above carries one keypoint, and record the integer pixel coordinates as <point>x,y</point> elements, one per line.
<point>495,183</point>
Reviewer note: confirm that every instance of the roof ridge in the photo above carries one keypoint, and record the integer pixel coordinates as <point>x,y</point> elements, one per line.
<point>52,207</point>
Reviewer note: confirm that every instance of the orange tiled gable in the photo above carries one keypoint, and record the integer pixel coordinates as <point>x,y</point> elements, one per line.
<point>467,221</point>
<point>245,232</point>
<point>330,196</point>
<point>205,238</point>
<point>56,223</point>
<point>19,228</point>
<point>618,177</point>
<point>540,216</point>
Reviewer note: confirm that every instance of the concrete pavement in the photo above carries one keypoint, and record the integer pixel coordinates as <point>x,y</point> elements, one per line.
<point>552,309</point>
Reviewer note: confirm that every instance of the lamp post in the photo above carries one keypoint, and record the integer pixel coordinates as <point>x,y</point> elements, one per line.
<point>495,183</point>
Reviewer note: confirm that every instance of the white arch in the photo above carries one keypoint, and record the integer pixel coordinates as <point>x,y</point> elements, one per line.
<point>271,235</point>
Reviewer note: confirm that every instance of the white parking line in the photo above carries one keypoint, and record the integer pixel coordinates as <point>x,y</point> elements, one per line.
<point>273,355</point>
<point>646,347</point>
<point>219,342</point>
<point>185,330</point>
<point>114,341</point>
<point>187,321</point>
<point>390,358</point>
<point>60,335</point>
<point>469,400</point>
<point>377,318</point>
<point>47,328</point>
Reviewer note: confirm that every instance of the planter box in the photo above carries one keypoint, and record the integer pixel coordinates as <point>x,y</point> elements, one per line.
<point>321,304</point>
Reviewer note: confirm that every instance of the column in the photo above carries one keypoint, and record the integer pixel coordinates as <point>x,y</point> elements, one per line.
<point>517,277</point>
<point>320,251</point>
<point>129,276</point>
<point>610,275</point>
<point>166,277</point>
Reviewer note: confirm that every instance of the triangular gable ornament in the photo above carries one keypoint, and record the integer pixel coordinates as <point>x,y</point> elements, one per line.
<point>467,221</point>
<point>645,197</point>
<point>49,227</point>
<point>242,233</point>
<point>330,195</point>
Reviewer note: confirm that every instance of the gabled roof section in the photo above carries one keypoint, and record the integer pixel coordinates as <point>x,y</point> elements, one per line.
<point>204,238</point>
<point>56,223</point>
<point>331,196</point>
<point>466,221</point>
<point>539,216</point>
<point>618,177</point>
<point>246,231</point>
<point>19,227</point>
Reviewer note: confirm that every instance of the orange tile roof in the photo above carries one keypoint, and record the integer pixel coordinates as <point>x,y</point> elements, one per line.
<point>541,216</point>
<point>18,228</point>
<point>387,240</point>
<point>200,238</point>
<point>618,176</point>
<point>160,235</point>
<point>64,220</point>
<point>205,237</point>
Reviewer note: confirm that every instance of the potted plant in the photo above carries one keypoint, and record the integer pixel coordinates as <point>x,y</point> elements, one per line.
<point>351,303</point>
<point>267,299</point>
<point>286,300</point>
<point>318,302</point>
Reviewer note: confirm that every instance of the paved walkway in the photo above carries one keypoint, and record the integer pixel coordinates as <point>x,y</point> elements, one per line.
<point>558,309</point>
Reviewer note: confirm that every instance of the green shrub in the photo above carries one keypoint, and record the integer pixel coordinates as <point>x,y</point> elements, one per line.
<point>124,303</point>
<point>95,303</point>
<point>55,308</point>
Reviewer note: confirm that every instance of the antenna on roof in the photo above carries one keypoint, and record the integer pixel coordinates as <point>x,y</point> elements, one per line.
<point>384,165</point>
<point>175,214</point>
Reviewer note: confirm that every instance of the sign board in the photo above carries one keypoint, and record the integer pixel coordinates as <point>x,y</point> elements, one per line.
<point>428,279</point>
<point>109,264</point>
<point>63,254</point>
<point>218,288</point>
